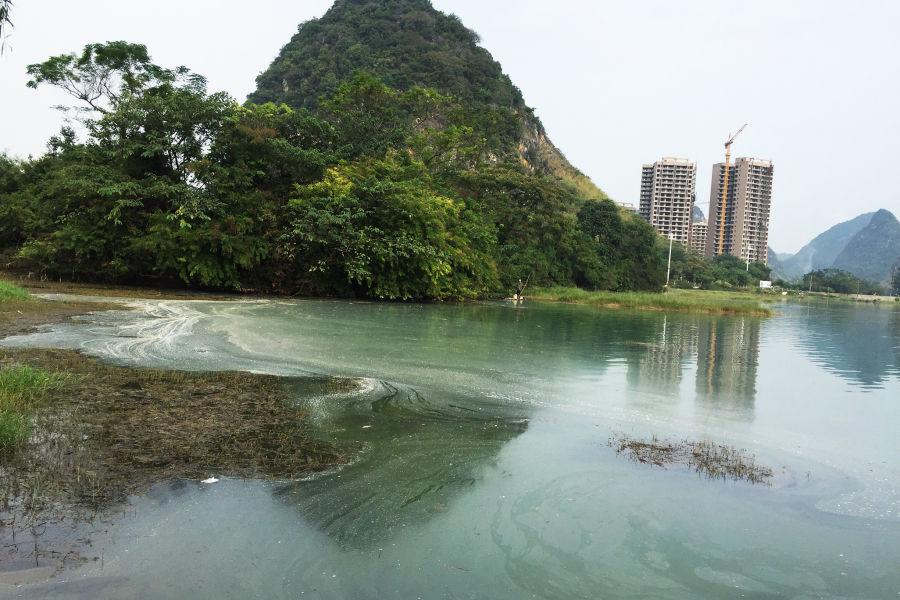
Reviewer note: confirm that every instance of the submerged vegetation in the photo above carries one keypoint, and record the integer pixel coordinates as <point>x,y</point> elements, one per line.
<point>726,303</point>
<point>714,461</point>
<point>103,433</point>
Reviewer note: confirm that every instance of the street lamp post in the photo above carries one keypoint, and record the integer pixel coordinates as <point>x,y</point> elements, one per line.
<point>669,268</point>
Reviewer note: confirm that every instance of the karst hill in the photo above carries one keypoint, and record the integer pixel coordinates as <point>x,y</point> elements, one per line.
<point>409,43</point>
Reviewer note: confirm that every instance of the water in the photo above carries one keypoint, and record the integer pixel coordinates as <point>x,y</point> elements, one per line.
<point>485,471</point>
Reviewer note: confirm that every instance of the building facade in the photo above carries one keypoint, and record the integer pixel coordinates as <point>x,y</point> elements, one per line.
<point>698,236</point>
<point>745,222</point>
<point>667,197</point>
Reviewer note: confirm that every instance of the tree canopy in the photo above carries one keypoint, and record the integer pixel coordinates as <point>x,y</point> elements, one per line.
<point>379,193</point>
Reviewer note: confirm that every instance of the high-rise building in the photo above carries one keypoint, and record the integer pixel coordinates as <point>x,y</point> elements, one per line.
<point>746,214</point>
<point>698,236</point>
<point>667,197</point>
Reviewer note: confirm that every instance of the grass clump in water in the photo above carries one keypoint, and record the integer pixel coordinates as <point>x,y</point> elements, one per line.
<point>680,300</point>
<point>715,461</point>
<point>21,389</point>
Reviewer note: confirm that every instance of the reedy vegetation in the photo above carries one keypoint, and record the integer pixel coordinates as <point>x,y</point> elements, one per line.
<point>378,193</point>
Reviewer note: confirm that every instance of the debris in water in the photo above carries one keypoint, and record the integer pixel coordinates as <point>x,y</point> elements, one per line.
<point>705,457</point>
<point>210,480</point>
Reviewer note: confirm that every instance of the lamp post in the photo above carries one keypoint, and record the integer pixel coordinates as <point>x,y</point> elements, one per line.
<point>669,268</point>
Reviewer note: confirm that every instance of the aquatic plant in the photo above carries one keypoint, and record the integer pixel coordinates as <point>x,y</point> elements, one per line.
<point>21,388</point>
<point>715,461</point>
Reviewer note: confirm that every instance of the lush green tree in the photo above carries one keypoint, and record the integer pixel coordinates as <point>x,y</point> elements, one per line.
<point>536,232</point>
<point>379,228</point>
<point>839,282</point>
<point>136,176</point>
<point>689,268</point>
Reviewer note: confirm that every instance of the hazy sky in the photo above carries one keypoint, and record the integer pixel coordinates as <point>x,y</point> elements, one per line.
<point>617,84</point>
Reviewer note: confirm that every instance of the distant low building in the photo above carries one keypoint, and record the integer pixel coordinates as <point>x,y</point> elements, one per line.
<point>698,236</point>
<point>667,197</point>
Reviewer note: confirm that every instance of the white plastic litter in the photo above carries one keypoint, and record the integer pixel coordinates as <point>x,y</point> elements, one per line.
<point>210,480</point>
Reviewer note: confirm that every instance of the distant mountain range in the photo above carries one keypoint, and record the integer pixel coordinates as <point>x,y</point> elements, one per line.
<point>866,246</point>
<point>873,250</point>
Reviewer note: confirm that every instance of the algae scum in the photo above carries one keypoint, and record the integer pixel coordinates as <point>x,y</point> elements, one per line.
<point>367,450</point>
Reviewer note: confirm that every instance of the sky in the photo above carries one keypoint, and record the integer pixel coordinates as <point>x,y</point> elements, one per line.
<point>616,84</point>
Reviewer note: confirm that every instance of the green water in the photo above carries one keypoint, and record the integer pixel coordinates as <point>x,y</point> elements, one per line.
<point>485,471</point>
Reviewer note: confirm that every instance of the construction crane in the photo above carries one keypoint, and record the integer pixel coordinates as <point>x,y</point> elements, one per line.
<point>731,139</point>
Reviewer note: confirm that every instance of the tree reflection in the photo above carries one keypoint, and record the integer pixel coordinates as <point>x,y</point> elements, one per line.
<point>858,343</point>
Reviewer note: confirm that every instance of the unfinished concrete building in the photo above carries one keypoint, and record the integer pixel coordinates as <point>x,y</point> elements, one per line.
<point>742,228</point>
<point>668,195</point>
<point>698,237</point>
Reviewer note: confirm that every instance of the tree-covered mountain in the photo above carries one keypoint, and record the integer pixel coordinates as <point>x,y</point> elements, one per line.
<point>406,44</point>
<point>874,249</point>
<point>822,251</point>
<point>378,192</point>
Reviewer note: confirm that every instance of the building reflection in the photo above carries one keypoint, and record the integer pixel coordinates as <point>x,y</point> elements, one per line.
<point>657,365</point>
<point>728,362</point>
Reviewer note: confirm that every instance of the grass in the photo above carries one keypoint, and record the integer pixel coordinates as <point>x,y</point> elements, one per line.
<point>21,389</point>
<point>701,301</point>
<point>715,461</point>
<point>9,291</point>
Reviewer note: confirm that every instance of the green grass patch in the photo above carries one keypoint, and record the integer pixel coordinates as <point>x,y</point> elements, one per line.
<point>9,292</point>
<point>726,303</point>
<point>21,388</point>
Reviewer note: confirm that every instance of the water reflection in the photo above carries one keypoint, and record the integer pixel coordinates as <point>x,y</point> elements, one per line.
<point>858,343</point>
<point>724,352</point>
<point>657,366</point>
<point>727,363</point>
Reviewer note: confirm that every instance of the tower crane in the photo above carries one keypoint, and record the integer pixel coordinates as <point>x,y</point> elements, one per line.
<point>731,139</point>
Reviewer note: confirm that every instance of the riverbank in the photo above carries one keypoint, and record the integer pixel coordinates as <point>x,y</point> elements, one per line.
<point>79,436</point>
<point>699,301</point>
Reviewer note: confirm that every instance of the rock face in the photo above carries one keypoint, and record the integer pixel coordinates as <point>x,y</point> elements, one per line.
<point>824,249</point>
<point>775,264</point>
<point>874,249</point>
<point>409,43</point>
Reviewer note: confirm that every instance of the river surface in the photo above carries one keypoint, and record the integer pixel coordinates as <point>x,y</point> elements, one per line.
<point>485,471</point>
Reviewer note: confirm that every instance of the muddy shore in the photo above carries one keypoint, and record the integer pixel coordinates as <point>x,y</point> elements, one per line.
<point>105,433</point>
